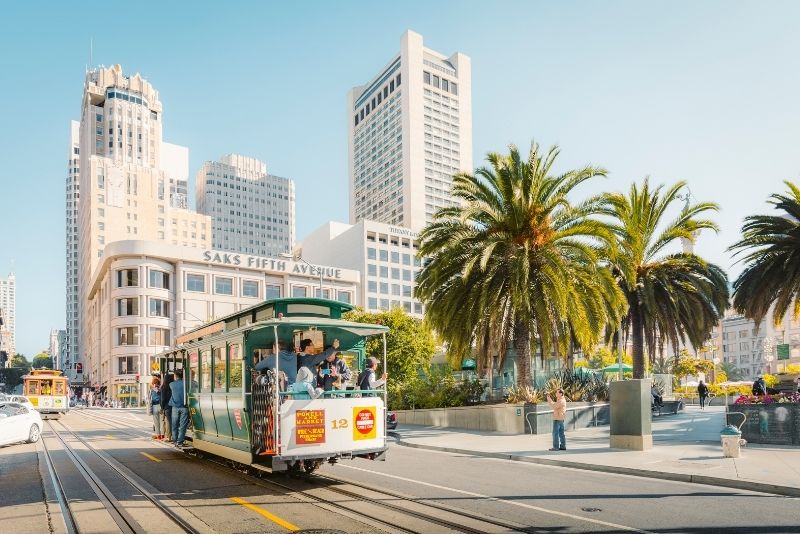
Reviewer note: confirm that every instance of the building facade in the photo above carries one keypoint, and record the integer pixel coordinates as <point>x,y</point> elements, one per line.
<point>253,212</point>
<point>57,348</point>
<point>409,132</point>
<point>132,184</point>
<point>385,256</point>
<point>73,311</point>
<point>145,293</point>
<point>8,312</point>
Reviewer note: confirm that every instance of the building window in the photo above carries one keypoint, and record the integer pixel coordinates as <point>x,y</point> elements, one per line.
<point>384,288</point>
<point>298,291</point>
<point>372,286</point>
<point>344,296</point>
<point>418,308</point>
<point>126,307</point>
<point>384,304</point>
<point>372,303</point>
<point>250,288</point>
<point>372,269</point>
<point>384,271</point>
<point>159,279</point>
<point>395,273</point>
<point>396,289</point>
<point>196,282</point>
<point>234,368</point>
<point>395,257</point>
<point>325,293</point>
<point>272,292</point>
<point>128,278</point>
<point>426,77</point>
<point>159,337</point>
<point>127,365</point>
<point>223,285</point>
<point>159,308</point>
<point>370,253</point>
<point>128,335</point>
<point>384,254</point>
<point>406,259</point>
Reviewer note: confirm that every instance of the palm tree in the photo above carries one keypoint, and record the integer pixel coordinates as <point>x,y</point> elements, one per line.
<point>733,373</point>
<point>517,259</point>
<point>772,271</point>
<point>671,296</point>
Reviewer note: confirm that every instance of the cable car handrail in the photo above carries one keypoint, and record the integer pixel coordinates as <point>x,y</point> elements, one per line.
<point>336,393</point>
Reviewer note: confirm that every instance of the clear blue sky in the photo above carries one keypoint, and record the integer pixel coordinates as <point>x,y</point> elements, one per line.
<point>701,91</point>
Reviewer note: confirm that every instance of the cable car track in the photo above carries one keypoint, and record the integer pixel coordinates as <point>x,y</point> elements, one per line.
<point>116,510</point>
<point>254,476</point>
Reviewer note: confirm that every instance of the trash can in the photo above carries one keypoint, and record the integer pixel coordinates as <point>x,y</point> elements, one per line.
<point>730,437</point>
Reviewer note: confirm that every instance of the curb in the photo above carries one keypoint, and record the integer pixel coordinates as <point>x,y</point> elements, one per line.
<point>789,491</point>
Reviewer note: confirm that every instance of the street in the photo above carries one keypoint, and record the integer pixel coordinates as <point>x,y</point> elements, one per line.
<point>413,491</point>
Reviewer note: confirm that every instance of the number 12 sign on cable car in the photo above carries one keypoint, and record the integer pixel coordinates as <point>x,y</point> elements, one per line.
<point>313,428</point>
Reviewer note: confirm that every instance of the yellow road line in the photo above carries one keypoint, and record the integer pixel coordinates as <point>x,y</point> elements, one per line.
<point>272,517</point>
<point>109,436</point>
<point>150,456</point>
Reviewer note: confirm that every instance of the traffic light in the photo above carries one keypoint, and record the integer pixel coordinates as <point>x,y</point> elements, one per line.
<point>3,358</point>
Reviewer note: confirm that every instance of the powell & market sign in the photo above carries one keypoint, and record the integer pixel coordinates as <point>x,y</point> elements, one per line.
<point>269,264</point>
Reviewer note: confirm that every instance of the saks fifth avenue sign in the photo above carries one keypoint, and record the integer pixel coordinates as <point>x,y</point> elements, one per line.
<point>269,264</point>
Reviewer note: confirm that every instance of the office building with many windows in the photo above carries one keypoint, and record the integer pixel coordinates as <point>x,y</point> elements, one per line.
<point>253,211</point>
<point>71,254</point>
<point>143,294</point>
<point>385,255</point>
<point>8,313</point>
<point>409,132</point>
<point>132,185</point>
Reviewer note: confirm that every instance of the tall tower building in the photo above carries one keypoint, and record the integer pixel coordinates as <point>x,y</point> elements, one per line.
<point>253,212</point>
<point>72,342</point>
<point>8,311</point>
<point>410,130</point>
<point>132,187</point>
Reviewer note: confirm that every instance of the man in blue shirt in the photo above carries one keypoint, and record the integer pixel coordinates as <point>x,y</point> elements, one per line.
<point>180,412</point>
<point>304,359</point>
<point>286,359</point>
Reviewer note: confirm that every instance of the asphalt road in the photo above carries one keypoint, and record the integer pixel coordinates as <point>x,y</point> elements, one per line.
<point>483,495</point>
<point>555,499</point>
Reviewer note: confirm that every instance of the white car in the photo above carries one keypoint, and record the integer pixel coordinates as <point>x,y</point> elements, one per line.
<point>20,399</point>
<point>19,423</point>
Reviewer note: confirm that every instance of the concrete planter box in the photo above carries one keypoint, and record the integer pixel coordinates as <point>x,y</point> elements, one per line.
<point>503,418</point>
<point>539,417</point>
<point>773,424</point>
<point>508,418</point>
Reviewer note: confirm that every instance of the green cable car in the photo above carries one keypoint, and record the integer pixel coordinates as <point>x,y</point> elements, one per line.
<point>249,416</point>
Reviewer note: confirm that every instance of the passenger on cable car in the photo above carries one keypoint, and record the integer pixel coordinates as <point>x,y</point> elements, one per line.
<point>335,372</point>
<point>309,361</point>
<point>287,361</point>
<point>303,388</point>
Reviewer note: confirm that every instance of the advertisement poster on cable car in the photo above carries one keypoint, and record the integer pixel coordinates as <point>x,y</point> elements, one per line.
<point>329,426</point>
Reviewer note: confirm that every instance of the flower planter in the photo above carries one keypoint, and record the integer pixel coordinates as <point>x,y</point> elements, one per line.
<point>773,424</point>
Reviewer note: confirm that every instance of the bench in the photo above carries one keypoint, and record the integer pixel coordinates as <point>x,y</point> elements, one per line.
<point>668,407</point>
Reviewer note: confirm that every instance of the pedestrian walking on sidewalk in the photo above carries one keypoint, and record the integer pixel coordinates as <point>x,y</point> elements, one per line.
<point>702,392</point>
<point>559,407</point>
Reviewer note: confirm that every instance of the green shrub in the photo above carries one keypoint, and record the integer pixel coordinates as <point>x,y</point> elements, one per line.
<point>436,389</point>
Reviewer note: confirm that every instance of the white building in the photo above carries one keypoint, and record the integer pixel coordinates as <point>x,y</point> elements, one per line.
<point>385,256</point>
<point>410,130</point>
<point>132,184</point>
<point>8,311</point>
<point>143,294</point>
<point>253,212</point>
<point>71,347</point>
<point>57,347</point>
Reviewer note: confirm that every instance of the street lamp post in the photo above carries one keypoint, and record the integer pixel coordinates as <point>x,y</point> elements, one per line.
<point>296,257</point>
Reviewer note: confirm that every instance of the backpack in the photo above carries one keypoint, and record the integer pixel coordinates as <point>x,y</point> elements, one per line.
<point>155,397</point>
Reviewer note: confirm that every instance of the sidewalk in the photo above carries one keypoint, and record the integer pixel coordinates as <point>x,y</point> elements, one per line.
<point>686,447</point>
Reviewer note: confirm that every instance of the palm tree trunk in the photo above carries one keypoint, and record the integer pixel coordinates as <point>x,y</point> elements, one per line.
<point>637,338</point>
<point>522,349</point>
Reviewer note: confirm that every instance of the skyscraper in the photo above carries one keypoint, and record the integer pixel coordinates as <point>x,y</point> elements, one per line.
<point>72,343</point>
<point>132,187</point>
<point>8,311</point>
<point>410,130</point>
<point>253,212</point>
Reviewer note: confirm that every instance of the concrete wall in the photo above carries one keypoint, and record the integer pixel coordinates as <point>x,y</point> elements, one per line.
<point>503,418</point>
<point>775,424</point>
<point>539,417</point>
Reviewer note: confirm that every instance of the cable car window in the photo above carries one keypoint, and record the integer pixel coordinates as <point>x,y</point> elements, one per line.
<point>194,372</point>
<point>234,368</point>
<point>205,371</point>
<point>219,369</point>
